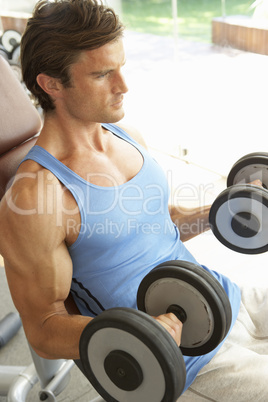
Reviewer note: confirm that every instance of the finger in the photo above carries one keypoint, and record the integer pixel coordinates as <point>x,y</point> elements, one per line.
<point>256,183</point>
<point>173,326</point>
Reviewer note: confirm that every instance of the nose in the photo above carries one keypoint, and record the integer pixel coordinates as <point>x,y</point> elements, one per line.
<point>120,84</point>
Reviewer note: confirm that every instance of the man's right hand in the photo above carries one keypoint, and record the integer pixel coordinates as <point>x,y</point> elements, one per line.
<point>172,324</point>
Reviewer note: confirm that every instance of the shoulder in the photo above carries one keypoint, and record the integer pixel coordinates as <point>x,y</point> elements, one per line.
<point>28,209</point>
<point>32,183</point>
<point>133,133</point>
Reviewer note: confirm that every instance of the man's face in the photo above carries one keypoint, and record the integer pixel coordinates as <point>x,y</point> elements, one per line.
<point>97,85</point>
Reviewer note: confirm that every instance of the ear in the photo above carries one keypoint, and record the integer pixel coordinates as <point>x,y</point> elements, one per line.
<point>52,86</point>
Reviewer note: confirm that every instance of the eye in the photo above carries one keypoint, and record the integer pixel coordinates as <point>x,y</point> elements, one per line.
<point>103,74</point>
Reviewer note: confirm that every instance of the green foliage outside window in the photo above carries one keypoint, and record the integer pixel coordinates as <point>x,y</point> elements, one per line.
<point>194,16</point>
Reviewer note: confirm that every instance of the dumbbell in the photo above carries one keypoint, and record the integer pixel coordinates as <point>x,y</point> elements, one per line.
<point>239,215</point>
<point>128,356</point>
<point>10,50</point>
<point>11,41</point>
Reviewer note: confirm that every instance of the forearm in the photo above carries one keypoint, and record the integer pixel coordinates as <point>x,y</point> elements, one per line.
<point>190,222</point>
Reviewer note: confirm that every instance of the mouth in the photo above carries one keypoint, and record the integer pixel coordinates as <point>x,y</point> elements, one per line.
<point>118,103</point>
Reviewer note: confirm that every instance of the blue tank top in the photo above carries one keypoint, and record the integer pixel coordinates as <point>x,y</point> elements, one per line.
<point>125,231</point>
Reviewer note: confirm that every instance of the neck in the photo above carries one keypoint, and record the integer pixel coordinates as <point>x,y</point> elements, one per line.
<point>64,136</point>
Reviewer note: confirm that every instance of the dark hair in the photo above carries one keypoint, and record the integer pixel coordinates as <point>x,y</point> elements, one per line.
<point>55,36</point>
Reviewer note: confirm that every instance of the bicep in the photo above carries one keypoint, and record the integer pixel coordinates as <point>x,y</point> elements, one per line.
<point>40,285</point>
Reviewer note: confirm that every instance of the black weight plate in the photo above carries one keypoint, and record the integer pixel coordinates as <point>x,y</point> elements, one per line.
<point>10,39</point>
<point>4,53</point>
<point>200,295</point>
<point>139,335</point>
<point>248,199</point>
<point>249,168</point>
<point>15,56</point>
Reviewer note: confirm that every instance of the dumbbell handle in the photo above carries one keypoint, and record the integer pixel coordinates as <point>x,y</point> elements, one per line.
<point>178,312</point>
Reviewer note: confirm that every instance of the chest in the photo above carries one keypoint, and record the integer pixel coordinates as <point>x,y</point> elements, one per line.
<point>117,165</point>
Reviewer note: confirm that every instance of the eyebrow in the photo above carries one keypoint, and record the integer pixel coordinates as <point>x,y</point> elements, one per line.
<point>103,72</point>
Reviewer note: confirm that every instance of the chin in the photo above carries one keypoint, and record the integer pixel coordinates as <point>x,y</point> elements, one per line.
<point>115,117</point>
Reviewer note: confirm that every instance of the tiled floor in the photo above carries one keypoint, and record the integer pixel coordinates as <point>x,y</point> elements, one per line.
<point>193,184</point>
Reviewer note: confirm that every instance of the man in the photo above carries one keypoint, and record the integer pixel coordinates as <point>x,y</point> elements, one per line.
<point>86,89</point>
<point>87,216</point>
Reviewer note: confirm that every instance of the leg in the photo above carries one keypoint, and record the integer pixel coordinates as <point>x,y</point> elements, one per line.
<point>239,370</point>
